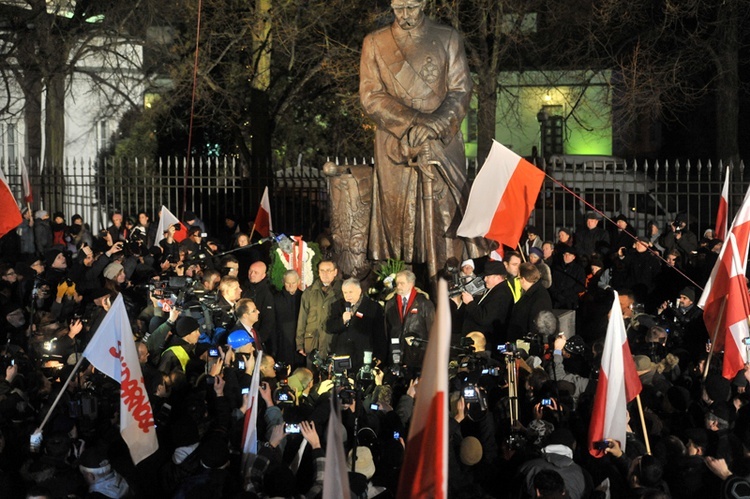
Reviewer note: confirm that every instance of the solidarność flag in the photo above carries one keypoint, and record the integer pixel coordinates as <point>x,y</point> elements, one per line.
<point>112,351</point>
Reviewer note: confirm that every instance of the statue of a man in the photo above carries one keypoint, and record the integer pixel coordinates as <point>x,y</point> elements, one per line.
<point>415,84</point>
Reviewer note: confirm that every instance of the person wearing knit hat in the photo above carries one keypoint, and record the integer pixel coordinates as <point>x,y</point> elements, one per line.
<point>537,252</point>
<point>716,388</point>
<point>56,268</point>
<point>467,270</point>
<point>99,475</point>
<point>536,256</point>
<point>176,357</point>
<point>365,463</point>
<point>557,455</point>
<point>114,272</point>
<point>471,451</point>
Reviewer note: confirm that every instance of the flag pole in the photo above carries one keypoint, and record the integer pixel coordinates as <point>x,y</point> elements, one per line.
<point>713,339</point>
<point>62,390</point>
<point>643,424</point>
<point>252,231</point>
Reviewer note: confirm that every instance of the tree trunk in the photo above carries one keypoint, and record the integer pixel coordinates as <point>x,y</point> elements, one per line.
<point>54,129</point>
<point>486,109</point>
<point>260,117</point>
<point>727,86</point>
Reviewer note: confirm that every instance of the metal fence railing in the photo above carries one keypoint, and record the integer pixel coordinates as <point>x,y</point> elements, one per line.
<point>215,187</point>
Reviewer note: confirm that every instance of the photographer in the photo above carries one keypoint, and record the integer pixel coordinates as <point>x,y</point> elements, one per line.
<point>678,236</point>
<point>489,313</point>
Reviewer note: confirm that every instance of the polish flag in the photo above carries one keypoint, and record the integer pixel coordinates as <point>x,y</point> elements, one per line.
<point>425,469</point>
<point>112,351</point>
<point>165,220</point>
<point>28,196</point>
<point>725,300</point>
<point>11,215</point>
<point>721,215</point>
<point>502,197</point>
<point>336,475</point>
<point>618,384</point>
<point>250,428</point>
<point>263,224</point>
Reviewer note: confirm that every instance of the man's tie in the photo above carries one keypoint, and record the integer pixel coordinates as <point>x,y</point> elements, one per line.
<point>405,302</point>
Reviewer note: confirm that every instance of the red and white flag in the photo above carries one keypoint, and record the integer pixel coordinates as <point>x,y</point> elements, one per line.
<point>112,350</point>
<point>725,301</point>
<point>502,197</point>
<point>336,475</point>
<point>166,219</point>
<point>28,196</point>
<point>618,384</point>
<point>250,428</point>
<point>11,215</point>
<point>425,469</point>
<point>263,223</point>
<point>720,232</point>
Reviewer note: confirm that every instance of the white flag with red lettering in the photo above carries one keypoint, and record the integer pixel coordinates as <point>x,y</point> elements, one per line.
<point>725,300</point>
<point>425,469</point>
<point>112,350</point>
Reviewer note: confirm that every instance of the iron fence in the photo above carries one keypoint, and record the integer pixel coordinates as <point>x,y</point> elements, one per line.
<point>214,187</point>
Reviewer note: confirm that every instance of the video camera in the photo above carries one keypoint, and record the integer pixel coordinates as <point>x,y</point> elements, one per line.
<point>458,283</point>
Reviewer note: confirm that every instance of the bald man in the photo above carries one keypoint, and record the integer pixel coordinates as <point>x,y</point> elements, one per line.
<point>258,289</point>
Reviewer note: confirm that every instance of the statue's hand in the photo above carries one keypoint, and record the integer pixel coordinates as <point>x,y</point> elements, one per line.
<point>418,134</point>
<point>437,123</point>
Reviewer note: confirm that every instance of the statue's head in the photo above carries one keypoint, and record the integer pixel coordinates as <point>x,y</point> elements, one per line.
<point>409,13</point>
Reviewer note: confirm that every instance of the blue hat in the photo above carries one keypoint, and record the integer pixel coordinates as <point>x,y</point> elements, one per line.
<point>238,339</point>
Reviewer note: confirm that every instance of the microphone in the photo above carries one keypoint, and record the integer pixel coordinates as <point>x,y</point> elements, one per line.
<point>348,309</point>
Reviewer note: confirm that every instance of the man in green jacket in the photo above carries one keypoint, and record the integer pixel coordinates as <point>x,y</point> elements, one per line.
<point>313,314</point>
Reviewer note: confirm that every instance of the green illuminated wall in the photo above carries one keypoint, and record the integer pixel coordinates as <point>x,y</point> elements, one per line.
<point>581,97</point>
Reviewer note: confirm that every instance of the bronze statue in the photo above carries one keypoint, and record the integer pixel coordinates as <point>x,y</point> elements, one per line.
<point>415,84</point>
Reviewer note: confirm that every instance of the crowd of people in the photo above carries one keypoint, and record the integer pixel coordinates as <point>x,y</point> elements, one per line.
<point>527,333</point>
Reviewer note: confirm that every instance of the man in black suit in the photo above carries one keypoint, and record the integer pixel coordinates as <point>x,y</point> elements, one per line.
<point>489,313</point>
<point>356,322</point>
<point>258,289</point>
